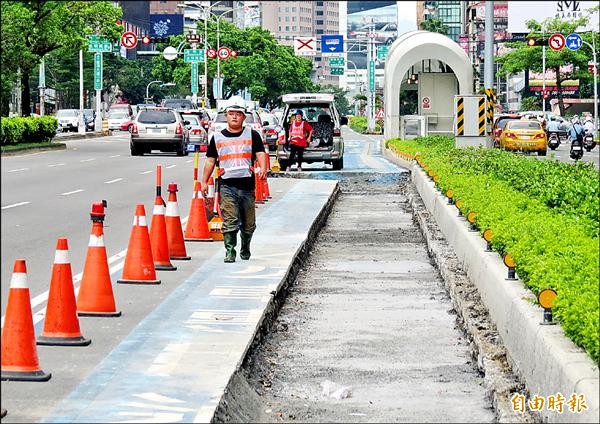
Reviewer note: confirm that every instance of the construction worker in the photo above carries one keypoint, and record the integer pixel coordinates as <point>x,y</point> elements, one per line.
<point>236,147</point>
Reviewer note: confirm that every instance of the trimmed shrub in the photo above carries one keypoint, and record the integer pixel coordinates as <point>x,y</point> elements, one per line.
<point>545,213</point>
<point>27,129</point>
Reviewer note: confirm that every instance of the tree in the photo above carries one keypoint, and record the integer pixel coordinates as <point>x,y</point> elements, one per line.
<point>31,29</point>
<point>530,103</point>
<point>523,57</point>
<point>340,99</point>
<point>266,68</point>
<point>434,25</point>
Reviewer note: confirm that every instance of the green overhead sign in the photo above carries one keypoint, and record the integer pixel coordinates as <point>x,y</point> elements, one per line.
<point>99,44</point>
<point>193,55</point>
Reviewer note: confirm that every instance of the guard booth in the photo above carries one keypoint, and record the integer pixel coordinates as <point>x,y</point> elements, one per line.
<point>470,126</point>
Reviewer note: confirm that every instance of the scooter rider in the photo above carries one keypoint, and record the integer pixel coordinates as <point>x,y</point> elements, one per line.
<point>553,128</point>
<point>576,131</point>
<point>588,125</point>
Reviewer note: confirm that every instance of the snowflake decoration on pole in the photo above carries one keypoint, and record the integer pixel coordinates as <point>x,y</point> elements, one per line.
<point>162,27</point>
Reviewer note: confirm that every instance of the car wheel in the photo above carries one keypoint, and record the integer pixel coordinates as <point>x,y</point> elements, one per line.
<point>541,152</point>
<point>135,151</point>
<point>338,164</point>
<point>180,150</point>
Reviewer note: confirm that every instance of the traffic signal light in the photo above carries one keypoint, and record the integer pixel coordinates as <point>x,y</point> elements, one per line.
<point>536,41</point>
<point>147,39</point>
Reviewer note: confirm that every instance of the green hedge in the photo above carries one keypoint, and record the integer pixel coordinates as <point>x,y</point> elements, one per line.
<point>545,213</point>
<point>359,124</point>
<point>27,130</point>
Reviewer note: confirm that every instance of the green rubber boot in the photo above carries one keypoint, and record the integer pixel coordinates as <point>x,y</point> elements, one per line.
<point>245,249</point>
<point>230,240</point>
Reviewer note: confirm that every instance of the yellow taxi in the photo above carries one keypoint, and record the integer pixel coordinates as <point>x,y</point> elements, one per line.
<point>524,135</point>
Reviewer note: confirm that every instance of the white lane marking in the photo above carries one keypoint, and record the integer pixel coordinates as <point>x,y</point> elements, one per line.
<point>170,166</point>
<point>113,181</point>
<point>14,205</point>
<point>56,164</point>
<point>146,172</point>
<point>43,297</point>
<point>189,161</point>
<point>87,160</point>
<point>114,156</point>
<point>72,192</point>
<point>18,170</point>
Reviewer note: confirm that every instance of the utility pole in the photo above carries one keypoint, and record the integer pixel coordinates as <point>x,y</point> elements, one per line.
<point>81,126</point>
<point>42,86</point>
<point>371,82</point>
<point>489,64</point>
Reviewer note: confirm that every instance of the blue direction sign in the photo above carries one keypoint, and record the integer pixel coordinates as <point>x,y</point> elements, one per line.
<point>332,44</point>
<point>574,41</point>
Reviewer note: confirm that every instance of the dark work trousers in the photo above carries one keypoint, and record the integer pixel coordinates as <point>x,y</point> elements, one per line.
<point>237,208</point>
<point>296,150</point>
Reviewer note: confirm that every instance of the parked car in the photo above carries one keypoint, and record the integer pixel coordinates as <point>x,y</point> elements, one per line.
<point>118,116</point>
<point>198,139</point>
<point>68,119</point>
<point>127,125</point>
<point>179,104</point>
<point>499,124</point>
<point>524,135</point>
<point>252,119</point>
<point>321,113</point>
<point>89,116</point>
<point>159,128</point>
<point>270,130</point>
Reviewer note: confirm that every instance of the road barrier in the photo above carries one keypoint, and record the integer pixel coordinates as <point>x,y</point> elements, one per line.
<point>105,129</point>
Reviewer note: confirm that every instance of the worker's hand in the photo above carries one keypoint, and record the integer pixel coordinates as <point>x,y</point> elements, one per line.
<point>204,188</point>
<point>262,173</point>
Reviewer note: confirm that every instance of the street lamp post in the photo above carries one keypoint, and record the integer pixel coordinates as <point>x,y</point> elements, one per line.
<point>166,84</point>
<point>355,85</point>
<point>544,71</point>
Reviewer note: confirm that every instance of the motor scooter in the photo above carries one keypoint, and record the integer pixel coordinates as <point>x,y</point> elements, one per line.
<point>553,141</point>
<point>576,151</point>
<point>588,142</point>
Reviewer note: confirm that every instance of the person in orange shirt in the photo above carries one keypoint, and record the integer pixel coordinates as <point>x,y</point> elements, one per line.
<point>300,136</point>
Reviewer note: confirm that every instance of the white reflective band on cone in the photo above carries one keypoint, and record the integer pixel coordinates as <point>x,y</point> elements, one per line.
<point>140,221</point>
<point>158,210</point>
<point>18,280</point>
<point>96,241</point>
<point>61,257</point>
<point>172,209</point>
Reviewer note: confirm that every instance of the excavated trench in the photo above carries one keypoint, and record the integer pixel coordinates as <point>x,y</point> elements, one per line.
<point>375,323</point>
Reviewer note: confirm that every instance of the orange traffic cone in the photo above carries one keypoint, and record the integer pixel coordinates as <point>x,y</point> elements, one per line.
<point>158,237</point>
<point>139,266</point>
<point>96,296</point>
<point>61,326</point>
<point>174,230</point>
<point>258,186</point>
<point>196,228</point>
<point>210,196</point>
<point>19,353</point>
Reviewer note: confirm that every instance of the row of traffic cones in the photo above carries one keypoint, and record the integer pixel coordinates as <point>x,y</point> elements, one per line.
<point>146,253</point>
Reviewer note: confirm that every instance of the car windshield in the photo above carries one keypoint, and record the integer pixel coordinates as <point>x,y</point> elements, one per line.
<point>193,119</point>
<point>524,125</point>
<point>269,118</point>
<point>502,122</point>
<point>66,113</point>
<point>178,104</point>
<point>156,117</point>
<point>117,114</point>
<point>221,118</point>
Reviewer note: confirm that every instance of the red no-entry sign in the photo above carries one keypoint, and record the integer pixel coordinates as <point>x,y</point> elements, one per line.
<point>556,41</point>
<point>129,40</point>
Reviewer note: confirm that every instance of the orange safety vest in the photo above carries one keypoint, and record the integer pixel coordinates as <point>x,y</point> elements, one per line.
<point>235,154</point>
<point>297,134</point>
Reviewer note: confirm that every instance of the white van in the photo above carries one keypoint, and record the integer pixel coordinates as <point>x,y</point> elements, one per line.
<point>320,112</point>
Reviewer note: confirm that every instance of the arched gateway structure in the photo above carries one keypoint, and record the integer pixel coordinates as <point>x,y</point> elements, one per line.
<point>413,48</point>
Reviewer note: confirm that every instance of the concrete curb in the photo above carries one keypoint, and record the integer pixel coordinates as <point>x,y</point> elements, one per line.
<point>54,146</point>
<point>542,356</point>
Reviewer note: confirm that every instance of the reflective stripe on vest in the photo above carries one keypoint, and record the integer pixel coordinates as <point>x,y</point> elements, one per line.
<point>235,154</point>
